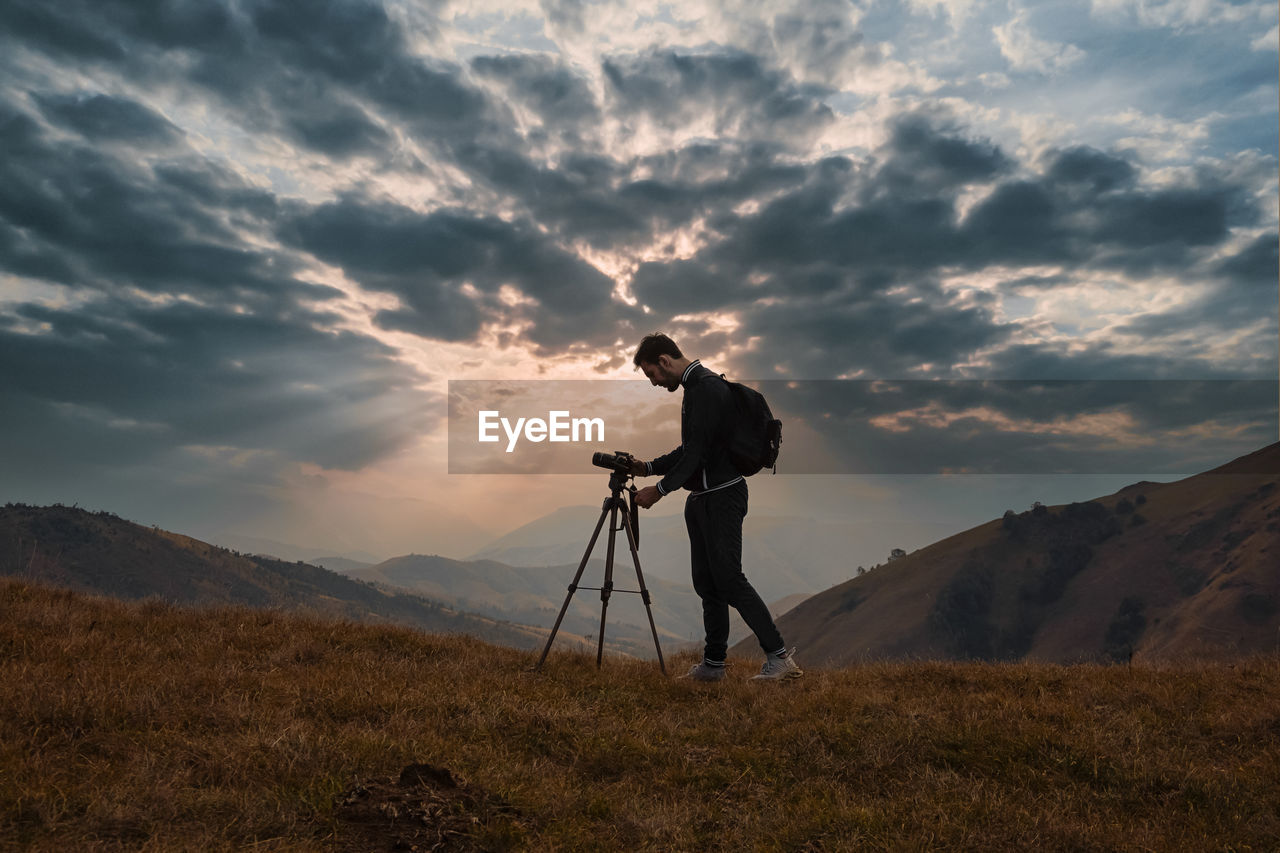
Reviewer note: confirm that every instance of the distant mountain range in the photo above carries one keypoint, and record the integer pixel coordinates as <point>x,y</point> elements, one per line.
<point>289,552</point>
<point>339,564</point>
<point>1157,571</point>
<point>533,596</point>
<point>782,556</point>
<point>102,553</point>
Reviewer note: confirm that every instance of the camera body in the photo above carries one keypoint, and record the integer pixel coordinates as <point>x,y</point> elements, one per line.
<point>619,461</point>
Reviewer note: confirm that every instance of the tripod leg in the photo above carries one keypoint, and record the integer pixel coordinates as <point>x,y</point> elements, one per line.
<point>644,591</point>
<point>606,589</point>
<point>573,586</point>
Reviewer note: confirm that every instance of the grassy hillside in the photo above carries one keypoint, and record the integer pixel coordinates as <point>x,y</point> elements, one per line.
<point>149,726</point>
<point>1157,571</point>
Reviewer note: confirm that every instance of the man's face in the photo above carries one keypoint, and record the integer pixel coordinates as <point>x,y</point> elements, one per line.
<point>662,373</point>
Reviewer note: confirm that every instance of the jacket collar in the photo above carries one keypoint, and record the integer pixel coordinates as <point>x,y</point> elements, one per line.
<point>688,372</point>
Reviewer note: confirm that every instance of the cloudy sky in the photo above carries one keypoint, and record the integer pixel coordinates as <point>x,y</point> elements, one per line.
<point>246,244</point>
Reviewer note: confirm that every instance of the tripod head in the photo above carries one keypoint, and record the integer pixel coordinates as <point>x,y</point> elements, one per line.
<point>619,462</point>
<point>618,481</point>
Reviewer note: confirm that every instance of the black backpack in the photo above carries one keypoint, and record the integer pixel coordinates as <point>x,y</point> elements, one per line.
<point>754,434</point>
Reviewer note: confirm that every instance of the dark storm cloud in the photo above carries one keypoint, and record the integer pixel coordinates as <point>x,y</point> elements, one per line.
<point>1133,231</point>
<point>839,272</point>
<point>274,65</point>
<point>1021,427</point>
<point>350,42</point>
<point>344,52</point>
<point>933,159</point>
<point>1021,222</point>
<point>142,382</point>
<point>127,32</point>
<point>1240,294</point>
<point>1087,167</point>
<point>337,130</point>
<point>106,118</point>
<point>19,132</point>
<point>1257,265</point>
<point>1191,217</point>
<point>875,333</point>
<point>214,187</point>
<point>593,198</point>
<point>129,36</point>
<point>86,217</point>
<point>799,247</point>
<point>685,287</point>
<point>1097,360</point>
<point>428,259</point>
<point>226,353</point>
<point>435,102</point>
<point>328,80</point>
<point>560,97</point>
<point>890,232</point>
<point>745,98</point>
<point>1087,209</point>
<point>578,197</point>
<point>53,30</point>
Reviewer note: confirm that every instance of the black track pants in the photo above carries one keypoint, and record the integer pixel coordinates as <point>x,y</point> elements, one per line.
<point>714,520</point>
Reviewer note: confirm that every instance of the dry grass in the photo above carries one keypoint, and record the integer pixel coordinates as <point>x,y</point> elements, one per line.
<point>150,727</point>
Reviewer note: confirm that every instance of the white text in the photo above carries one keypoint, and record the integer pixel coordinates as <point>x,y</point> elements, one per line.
<point>557,427</point>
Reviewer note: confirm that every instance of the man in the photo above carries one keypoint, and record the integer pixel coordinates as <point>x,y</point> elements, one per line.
<point>714,510</point>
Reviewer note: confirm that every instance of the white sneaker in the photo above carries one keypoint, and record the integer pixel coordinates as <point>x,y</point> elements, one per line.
<point>701,671</point>
<point>779,669</point>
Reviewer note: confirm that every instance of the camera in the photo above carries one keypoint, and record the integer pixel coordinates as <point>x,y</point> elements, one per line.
<point>619,461</point>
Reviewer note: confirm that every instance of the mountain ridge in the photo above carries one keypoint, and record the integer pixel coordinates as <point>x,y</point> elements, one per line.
<point>1155,571</point>
<point>105,554</point>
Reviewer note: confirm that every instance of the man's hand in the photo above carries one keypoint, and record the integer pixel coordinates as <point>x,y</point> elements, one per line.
<point>648,496</point>
<point>638,468</point>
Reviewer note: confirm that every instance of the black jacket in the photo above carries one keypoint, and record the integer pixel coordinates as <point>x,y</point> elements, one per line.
<point>701,462</point>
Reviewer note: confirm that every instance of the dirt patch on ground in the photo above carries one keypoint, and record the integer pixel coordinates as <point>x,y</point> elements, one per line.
<point>426,808</point>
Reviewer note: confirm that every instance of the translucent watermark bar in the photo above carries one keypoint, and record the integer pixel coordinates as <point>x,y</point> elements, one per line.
<point>882,426</point>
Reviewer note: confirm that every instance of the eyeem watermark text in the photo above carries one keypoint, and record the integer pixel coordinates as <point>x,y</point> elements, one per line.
<point>558,427</point>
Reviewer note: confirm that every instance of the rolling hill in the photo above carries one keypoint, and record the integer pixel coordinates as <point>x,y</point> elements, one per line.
<point>102,553</point>
<point>1157,571</point>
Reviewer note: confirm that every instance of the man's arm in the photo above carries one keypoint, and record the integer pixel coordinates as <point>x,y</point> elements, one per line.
<point>663,463</point>
<point>702,417</point>
<point>650,495</point>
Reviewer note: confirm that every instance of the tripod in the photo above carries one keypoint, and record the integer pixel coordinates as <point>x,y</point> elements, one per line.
<point>614,506</point>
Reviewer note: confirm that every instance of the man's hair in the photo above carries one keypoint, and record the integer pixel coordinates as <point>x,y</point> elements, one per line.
<point>653,346</point>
